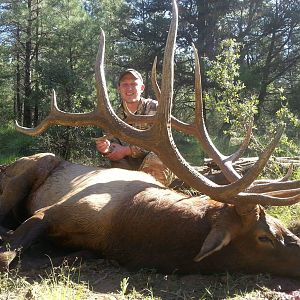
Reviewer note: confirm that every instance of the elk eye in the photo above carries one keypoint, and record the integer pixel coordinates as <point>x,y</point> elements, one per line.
<point>264,239</point>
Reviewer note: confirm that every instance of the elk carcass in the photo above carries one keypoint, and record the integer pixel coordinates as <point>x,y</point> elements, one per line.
<point>130,217</point>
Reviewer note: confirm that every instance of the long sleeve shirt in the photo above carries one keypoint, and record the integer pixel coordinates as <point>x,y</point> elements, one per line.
<point>146,107</point>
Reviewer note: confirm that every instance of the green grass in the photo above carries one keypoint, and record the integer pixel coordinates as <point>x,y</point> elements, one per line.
<point>288,215</point>
<point>191,151</point>
<point>14,144</point>
<point>61,283</point>
<point>11,282</point>
<point>106,281</point>
<point>146,286</point>
<point>296,174</point>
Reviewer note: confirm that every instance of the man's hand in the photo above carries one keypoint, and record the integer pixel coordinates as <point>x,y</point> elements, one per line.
<point>118,152</point>
<point>112,151</point>
<point>102,145</point>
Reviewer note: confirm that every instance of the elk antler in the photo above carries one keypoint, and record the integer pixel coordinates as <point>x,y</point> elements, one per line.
<point>198,128</point>
<point>158,138</point>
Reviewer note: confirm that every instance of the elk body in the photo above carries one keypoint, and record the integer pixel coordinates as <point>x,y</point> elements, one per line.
<point>129,217</point>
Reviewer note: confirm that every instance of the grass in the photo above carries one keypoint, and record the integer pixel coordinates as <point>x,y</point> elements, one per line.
<point>219,286</point>
<point>190,149</point>
<point>131,293</point>
<point>65,283</point>
<point>14,144</point>
<point>289,215</point>
<point>296,174</point>
<point>61,283</point>
<point>11,283</point>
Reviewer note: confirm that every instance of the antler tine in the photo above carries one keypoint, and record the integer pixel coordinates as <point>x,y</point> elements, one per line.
<point>155,85</point>
<point>284,193</point>
<point>275,186</point>
<point>263,184</point>
<point>103,116</point>
<point>288,173</point>
<point>176,124</point>
<point>166,101</point>
<point>58,117</point>
<point>103,103</point>
<point>225,163</point>
<point>287,198</point>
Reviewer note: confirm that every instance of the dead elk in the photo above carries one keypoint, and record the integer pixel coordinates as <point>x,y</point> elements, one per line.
<point>128,216</point>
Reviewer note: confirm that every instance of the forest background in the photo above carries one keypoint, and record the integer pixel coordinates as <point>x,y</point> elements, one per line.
<point>250,60</point>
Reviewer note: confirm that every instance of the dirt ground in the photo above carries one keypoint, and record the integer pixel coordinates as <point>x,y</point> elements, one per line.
<point>104,280</point>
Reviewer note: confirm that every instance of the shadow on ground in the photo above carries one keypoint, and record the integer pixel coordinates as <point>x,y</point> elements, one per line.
<point>105,277</point>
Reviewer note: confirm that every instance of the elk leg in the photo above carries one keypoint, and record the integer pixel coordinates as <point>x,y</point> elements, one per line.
<point>22,178</point>
<point>16,189</point>
<point>73,258</point>
<point>22,238</point>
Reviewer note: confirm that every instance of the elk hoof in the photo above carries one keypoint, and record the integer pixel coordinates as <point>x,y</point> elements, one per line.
<point>5,259</point>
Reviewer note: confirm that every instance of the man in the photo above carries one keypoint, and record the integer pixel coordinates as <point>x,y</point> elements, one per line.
<point>121,154</point>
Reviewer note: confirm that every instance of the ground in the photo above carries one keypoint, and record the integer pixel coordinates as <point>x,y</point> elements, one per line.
<point>107,280</point>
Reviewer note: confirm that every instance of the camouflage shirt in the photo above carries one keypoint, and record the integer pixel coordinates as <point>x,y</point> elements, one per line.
<point>146,107</point>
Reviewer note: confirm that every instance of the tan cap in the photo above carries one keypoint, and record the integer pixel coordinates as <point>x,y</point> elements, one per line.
<point>133,72</point>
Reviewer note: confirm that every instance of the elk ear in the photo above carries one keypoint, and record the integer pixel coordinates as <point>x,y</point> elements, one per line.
<point>215,241</point>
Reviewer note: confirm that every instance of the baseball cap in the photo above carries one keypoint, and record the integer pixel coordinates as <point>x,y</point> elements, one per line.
<point>133,72</point>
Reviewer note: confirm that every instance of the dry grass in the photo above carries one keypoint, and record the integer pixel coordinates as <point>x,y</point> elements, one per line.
<point>101,279</point>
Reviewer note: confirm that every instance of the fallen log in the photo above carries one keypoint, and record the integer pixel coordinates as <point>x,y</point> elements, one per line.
<point>242,165</point>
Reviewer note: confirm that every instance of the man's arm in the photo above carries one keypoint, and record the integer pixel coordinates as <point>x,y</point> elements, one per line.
<point>115,149</point>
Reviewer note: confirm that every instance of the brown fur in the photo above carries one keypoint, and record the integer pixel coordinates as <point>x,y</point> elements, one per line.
<point>130,217</point>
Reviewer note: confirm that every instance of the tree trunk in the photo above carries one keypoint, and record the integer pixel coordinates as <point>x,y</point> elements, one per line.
<point>18,103</point>
<point>37,85</point>
<point>27,70</point>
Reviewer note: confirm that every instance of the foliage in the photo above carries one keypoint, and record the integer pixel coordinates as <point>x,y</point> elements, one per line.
<point>73,144</point>
<point>189,148</point>
<point>59,140</point>
<point>287,215</point>
<point>229,107</point>
<point>289,142</point>
<point>52,44</point>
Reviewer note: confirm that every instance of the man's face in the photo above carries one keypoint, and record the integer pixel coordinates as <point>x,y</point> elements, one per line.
<point>130,88</point>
